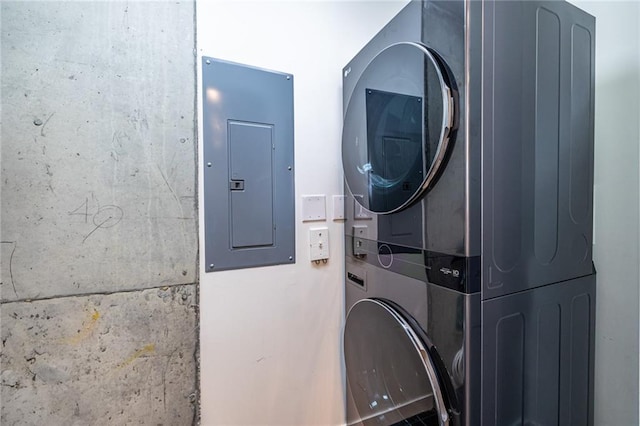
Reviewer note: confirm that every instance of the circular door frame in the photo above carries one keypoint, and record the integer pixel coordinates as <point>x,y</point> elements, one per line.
<point>425,350</point>
<point>448,126</point>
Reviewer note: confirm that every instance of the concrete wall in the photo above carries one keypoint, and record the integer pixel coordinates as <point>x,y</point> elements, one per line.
<point>616,216</point>
<point>271,337</point>
<point>98,229</point>
<point>122,358</point>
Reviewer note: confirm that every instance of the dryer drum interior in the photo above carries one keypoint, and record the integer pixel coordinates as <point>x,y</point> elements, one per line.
<point>394,373</point>
<point>398,125</point>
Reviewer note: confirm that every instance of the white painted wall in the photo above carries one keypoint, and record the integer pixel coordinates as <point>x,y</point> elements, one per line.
<point>617,176</point>
<point>270,337</point>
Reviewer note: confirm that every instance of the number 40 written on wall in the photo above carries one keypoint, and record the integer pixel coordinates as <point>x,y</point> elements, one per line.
<point>102,217</point>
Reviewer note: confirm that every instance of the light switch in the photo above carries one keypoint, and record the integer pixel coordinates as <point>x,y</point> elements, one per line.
<point>338,207</point>
<point>314,208</point>
<point>319,244</point>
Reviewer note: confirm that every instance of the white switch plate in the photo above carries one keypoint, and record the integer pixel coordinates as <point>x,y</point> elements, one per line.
<point>318,244</point>
<point>338,207</point>
<point>314,208</point>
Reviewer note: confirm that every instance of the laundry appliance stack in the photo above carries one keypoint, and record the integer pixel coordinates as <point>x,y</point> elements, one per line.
<point>468,162</point>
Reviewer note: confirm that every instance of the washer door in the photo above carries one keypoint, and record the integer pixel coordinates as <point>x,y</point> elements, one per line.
<point>392,376</point>
<point>397,127</point>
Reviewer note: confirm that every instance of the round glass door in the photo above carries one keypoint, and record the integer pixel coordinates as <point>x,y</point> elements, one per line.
<point>391,378</point>
<point>397,127</point>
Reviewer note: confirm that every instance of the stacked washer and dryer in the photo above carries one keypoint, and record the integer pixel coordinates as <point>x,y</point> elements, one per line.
<point>468,162</point>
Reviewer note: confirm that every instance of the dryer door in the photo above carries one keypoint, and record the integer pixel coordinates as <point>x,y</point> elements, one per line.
<point>397,127</point>
<point>393,372</point>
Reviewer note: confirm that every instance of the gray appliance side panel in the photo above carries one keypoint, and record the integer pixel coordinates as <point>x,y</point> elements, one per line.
<point>537,150</point>
<point>538,355</point>
<point>248,152</point>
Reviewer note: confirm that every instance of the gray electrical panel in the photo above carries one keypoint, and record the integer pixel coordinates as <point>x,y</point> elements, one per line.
<point>249,199</point>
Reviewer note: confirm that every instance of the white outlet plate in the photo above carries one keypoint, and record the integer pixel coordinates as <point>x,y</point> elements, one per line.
<point>318,244</point>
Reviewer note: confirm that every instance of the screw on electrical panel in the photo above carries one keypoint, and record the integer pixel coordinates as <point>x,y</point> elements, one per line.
<point>288,77</point>
<point>211,266</point>
<point>208,164</point>
<point>289,168</point>
<point>290,257</point>
<point>208,62</point>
